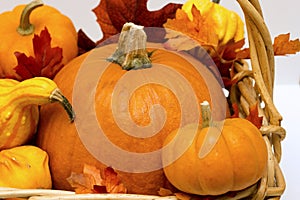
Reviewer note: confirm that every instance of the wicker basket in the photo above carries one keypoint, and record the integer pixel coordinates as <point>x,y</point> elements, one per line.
<point>255,84</point>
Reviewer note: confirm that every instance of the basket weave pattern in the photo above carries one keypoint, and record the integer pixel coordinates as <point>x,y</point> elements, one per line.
<point>256,85</point>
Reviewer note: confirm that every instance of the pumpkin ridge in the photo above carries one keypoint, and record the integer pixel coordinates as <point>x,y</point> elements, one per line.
<point>238,128</point>
<point>253,142</point>
<point>233,181</point>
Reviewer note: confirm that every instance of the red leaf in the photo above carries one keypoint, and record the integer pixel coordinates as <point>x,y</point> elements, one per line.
<point>46,61</point>
<point>84,43</point>
<point>254,116</point>
<point>112,15</point>
<point>235,109</point>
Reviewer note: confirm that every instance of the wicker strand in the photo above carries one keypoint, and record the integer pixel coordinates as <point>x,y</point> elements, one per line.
<point>272,184</point>
<point>274,116</point>
<point>258,21</point>
<point>257,6</point>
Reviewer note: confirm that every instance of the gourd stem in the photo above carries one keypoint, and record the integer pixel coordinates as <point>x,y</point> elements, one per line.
<point>216,1</point>
<point>25,27</point>
<point>58,96</point>
<point>131,52</point>
<point>206,114</point>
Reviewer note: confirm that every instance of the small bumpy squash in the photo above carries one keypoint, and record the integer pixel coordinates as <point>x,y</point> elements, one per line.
<point>25,167</point>
<point>237,161</point>
<point>19,114</point>
<point>121,99</point>
<point>19,26</point>
<point>227,24</point>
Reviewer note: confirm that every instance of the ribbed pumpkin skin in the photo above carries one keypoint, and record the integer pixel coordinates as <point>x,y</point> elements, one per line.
<point>59,137</point>
<point>237,161</point>
<point>62,31</point>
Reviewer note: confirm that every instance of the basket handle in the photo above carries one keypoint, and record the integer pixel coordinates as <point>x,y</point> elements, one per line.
<point>262,62</point>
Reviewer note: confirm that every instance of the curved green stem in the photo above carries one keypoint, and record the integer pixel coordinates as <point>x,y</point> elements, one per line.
<point>131,52</point>
<point>25,27</point>
<point>59,97</point>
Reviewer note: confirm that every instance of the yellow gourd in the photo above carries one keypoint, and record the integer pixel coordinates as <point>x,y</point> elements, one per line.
<point>19,113</point>
<point>24,167</point>
<point>19,26</point>
<point>228,24</point>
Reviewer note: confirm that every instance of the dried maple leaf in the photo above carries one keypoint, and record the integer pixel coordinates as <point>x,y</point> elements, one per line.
<point>90,181</point>
<point>253,116</point>
<point>85,182</point>
<point>283,45</point>
<point>112,15</point>
<point>200,30</point>
<point>46,61</point>
<point>82,183</point>
<point>112,182</point>
<point>224,59</point>
<point>84,43</point>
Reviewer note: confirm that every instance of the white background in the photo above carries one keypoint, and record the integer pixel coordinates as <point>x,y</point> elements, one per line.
<point>280,16</point>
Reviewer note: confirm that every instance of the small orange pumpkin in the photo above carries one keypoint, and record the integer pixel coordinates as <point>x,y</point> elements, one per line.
<point>19,26</point>
<point>237,161</point>
<point>120,105</point>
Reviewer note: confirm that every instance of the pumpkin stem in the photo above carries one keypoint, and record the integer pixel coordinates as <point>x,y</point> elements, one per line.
<point>25,27</point>
<point>131,52</point>
<point>206,114</point>
<point>58,96</point>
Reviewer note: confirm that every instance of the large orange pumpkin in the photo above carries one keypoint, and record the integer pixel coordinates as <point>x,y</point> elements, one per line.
<point>124,104</point>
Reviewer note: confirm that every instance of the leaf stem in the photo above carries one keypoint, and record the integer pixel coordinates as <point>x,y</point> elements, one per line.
<point>25,27</point>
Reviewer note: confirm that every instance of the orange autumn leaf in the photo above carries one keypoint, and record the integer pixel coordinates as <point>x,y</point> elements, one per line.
<point>90,181</point>
<point>200,29</point>
<point>112,182</point>
<point>82,183</point>
<point>283,45</point>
